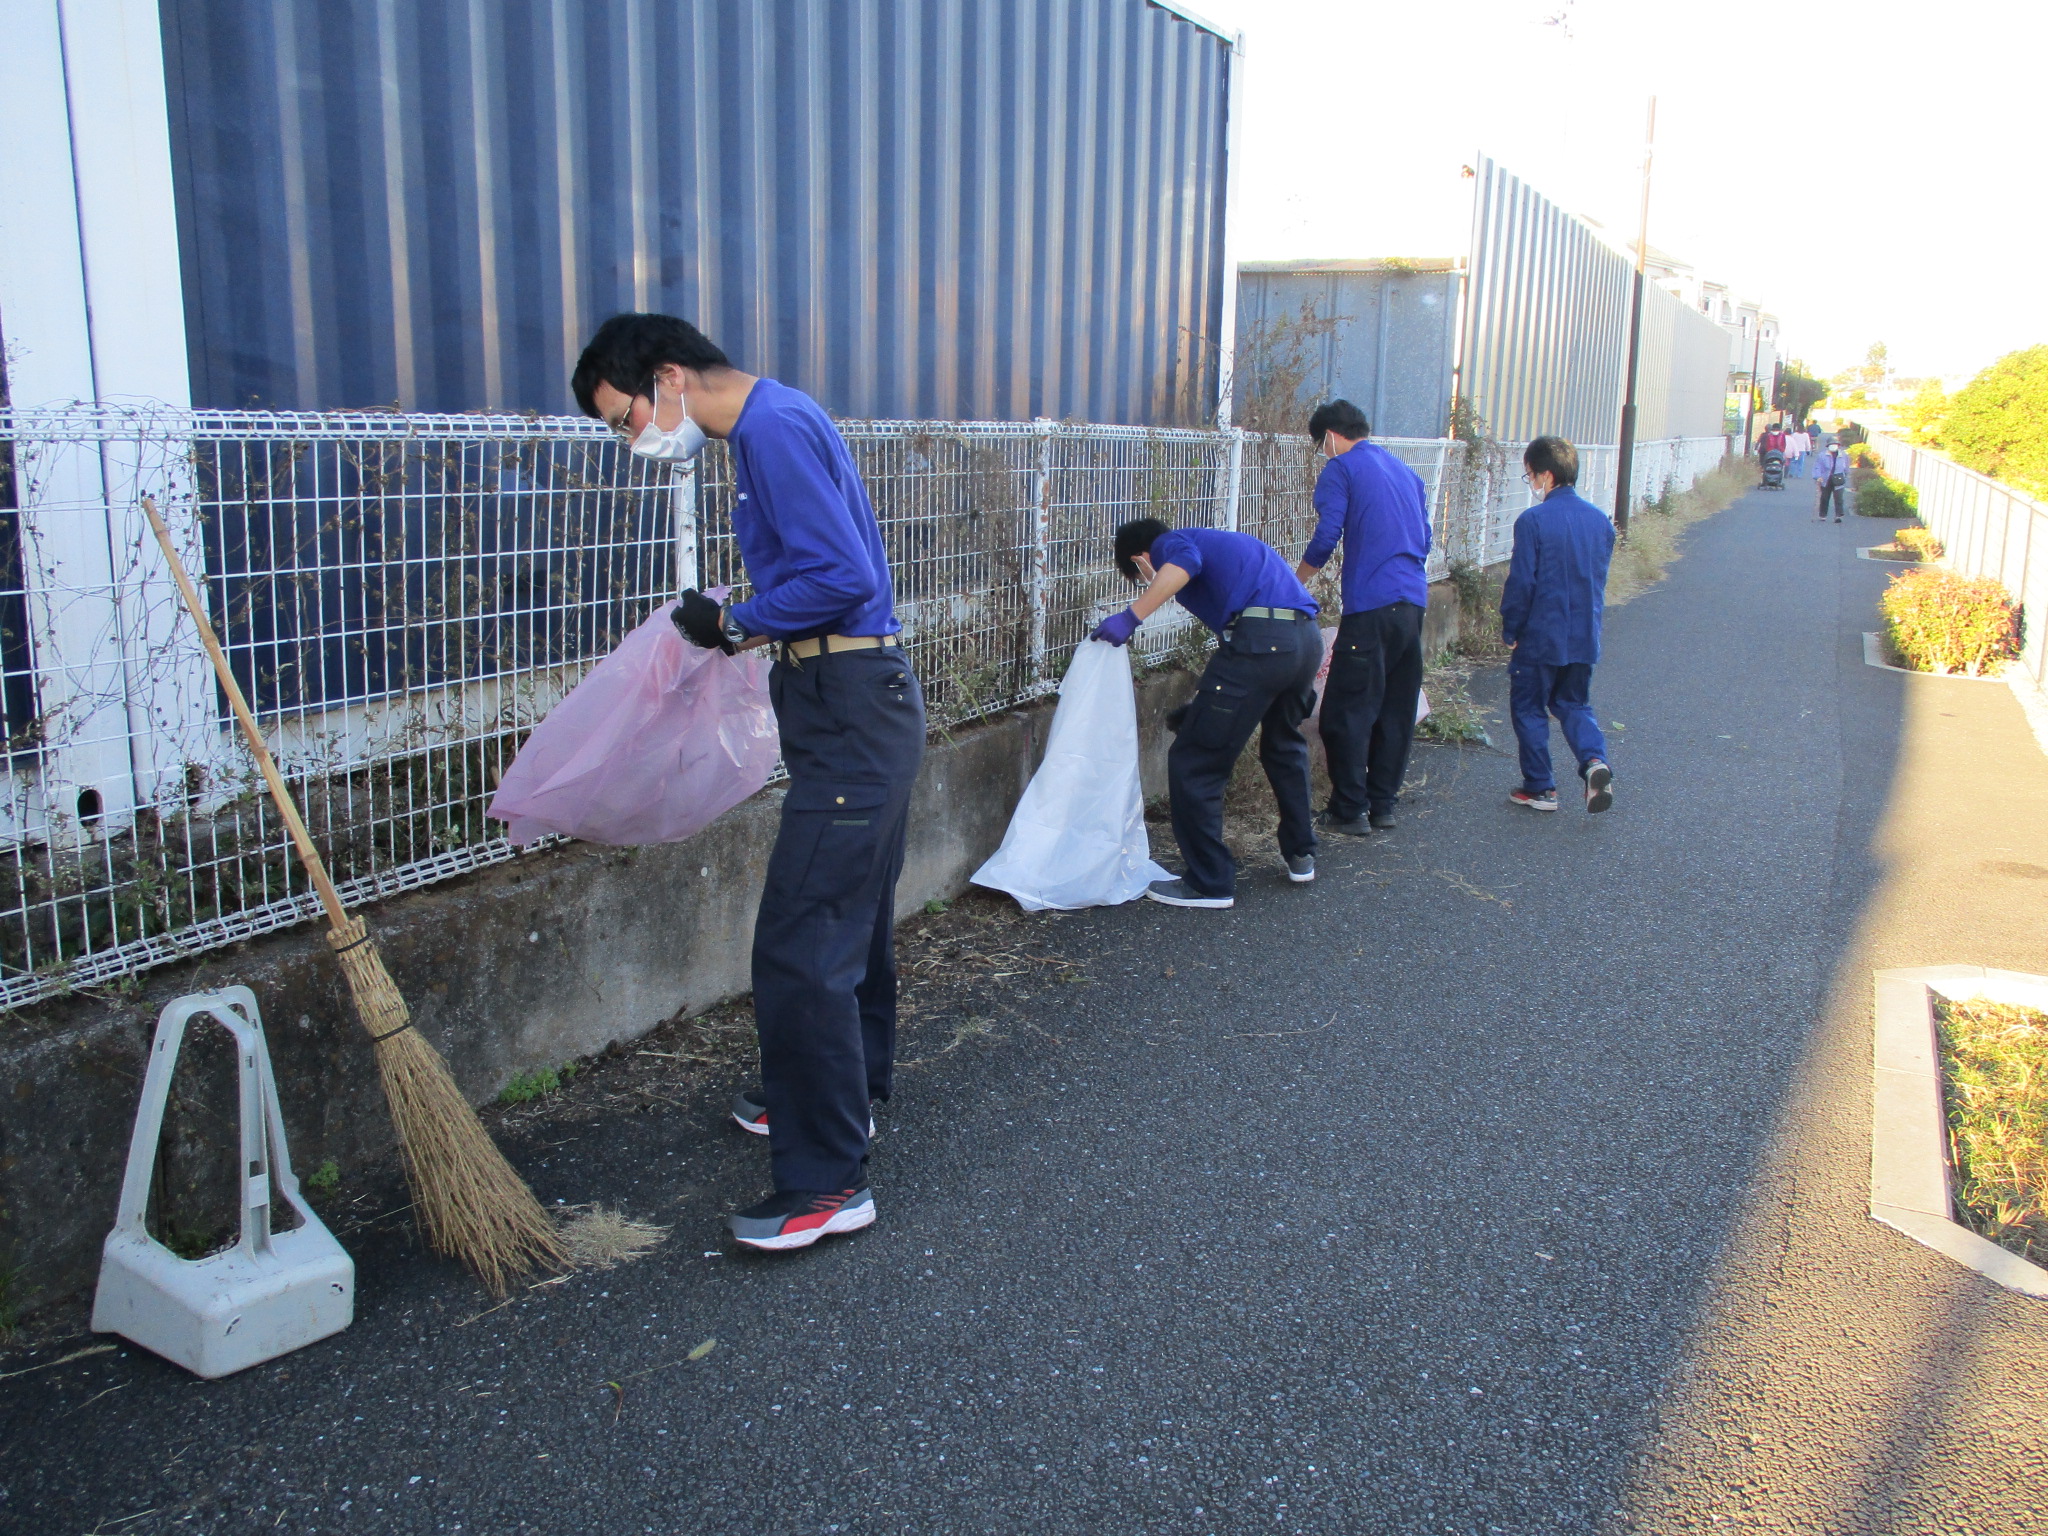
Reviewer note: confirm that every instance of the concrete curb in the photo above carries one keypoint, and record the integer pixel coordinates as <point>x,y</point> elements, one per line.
<point>1873,656</point>
<point>1870,552</point>
<point>1909,1169</point>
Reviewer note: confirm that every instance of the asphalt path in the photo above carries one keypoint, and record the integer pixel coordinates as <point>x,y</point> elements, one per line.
<point>1392,1203</point>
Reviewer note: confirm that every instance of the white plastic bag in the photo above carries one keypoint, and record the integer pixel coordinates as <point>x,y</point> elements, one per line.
<point>1315,716</point>
<point>1078,836</point>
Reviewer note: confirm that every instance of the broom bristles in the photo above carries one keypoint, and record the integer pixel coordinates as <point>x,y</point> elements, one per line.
<point>471,1202</point>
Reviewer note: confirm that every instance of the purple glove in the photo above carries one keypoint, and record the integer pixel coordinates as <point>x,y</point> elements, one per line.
<point>1118,628</point>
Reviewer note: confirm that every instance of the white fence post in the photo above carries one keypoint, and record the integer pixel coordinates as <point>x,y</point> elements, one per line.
<point>1036,564</point>
<point>1235,486</point>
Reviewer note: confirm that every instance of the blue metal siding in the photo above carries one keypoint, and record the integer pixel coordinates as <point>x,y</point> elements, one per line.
<point>911,208</point>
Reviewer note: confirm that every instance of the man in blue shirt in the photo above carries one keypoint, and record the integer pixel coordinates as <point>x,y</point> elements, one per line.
<point>1261,678</point>
<point>851,716</point>
<point>1550,614</point>
<point>1379,507</point>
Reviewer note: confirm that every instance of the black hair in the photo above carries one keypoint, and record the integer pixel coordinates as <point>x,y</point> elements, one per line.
<point>1340,417</point>
<point>628,348</point>
<point>1136,538</point>
<point>1552,456</point>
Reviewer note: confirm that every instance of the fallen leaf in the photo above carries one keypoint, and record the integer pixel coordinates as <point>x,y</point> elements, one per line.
<point>703,1349</point>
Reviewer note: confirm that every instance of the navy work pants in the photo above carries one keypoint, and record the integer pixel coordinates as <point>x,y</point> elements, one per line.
<point>1369,705</point>
<point>824,943</point>
<point>1535,693</point>
<point>1831,492</point>
<point>1261,678</point>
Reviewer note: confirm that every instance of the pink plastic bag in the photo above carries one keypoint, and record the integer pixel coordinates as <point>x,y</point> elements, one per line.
<point>660,739</point>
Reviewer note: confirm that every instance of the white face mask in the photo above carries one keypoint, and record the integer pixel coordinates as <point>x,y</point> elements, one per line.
<point>677,446</point>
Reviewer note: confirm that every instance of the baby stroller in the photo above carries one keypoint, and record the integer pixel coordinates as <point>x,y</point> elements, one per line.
<point>1774,469</point>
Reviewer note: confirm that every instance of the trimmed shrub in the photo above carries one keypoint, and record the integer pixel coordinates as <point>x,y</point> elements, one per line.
<point>1944,623</point>
<point>1878,496</point>
<point>1863,456</point>
<point>1919,540</point>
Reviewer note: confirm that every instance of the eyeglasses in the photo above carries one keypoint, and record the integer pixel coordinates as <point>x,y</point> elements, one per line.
<point>622,423</point>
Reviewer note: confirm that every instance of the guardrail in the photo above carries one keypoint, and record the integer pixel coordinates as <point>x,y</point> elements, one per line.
<point>404,597</point>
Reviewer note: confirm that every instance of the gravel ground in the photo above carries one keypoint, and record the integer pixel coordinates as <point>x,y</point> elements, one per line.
<point>1506,1179</point>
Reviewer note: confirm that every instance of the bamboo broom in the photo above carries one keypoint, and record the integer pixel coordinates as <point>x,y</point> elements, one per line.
<point>472,1204</point>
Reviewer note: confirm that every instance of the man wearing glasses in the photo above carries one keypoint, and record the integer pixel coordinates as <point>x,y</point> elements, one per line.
<point>1550,609</point>
<point>851,716</point>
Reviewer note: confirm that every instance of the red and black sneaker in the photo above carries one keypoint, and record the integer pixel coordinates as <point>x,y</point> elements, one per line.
<point>797,1218</point>
<point>750,1114</point>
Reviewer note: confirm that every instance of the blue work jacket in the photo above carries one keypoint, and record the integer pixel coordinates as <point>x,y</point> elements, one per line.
<point>1228,573</point>
<point>1380,508</point>
<point>1557,581</point>
<point>804,524</point>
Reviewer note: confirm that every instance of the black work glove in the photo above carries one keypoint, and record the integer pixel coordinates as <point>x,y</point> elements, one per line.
<point>702,622</point>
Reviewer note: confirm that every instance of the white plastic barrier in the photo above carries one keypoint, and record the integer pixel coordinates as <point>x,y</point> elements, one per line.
<point>272,1291</point>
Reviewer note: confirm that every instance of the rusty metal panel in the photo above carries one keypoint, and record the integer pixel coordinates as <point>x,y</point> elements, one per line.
<point>1546,341</point>
<point>1382,335</point>
<point>911,208</point>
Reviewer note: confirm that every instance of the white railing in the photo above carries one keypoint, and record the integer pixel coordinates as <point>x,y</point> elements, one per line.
<point>1986,529</point>
<point>404,597</point>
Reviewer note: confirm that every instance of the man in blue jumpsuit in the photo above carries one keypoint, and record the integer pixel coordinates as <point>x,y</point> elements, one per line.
<point>852,721</point>
<point>1550,614</point>
<point>1261,678</point>
<point>1379,507</point>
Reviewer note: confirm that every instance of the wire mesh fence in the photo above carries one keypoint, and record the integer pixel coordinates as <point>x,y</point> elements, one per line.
<point>404,597</point>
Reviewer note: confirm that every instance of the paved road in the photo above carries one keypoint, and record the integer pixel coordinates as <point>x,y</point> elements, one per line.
<point>1504,1180</point>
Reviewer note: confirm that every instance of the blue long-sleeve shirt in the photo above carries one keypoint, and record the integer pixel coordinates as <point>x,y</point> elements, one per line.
<point>1380,508</point>
<point>1228,573</point>
<point>1557,581</point>
<point>804,524</point>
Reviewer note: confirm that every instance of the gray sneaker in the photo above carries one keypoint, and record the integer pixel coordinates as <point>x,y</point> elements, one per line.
<point>1175,893</point>
<point>1300,868</point>
<point>1357,826</point>
<point>1599,786</point>
<point>751,1113</point>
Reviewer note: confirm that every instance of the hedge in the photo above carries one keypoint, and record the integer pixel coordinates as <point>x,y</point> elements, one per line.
<point>1879,496</point>
<point>1945,623</point>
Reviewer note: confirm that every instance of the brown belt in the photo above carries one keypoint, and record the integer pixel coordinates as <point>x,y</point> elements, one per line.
<point>804,650</point>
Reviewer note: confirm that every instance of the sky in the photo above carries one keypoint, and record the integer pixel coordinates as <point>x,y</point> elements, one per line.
<point>1871,171</point>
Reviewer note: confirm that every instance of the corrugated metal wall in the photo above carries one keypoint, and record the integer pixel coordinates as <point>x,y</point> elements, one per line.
<point>969,209</point>
<point>1546,344</point>
<point>1390,350</point>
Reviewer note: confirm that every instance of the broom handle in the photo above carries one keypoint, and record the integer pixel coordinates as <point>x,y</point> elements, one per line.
<point>337,915</point>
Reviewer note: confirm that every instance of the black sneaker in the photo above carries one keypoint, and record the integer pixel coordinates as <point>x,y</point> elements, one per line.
<point>1357,826</point>
<point>797,1218</point>
<point>1301,869</point>
<point>752,1115</point>
<point>1534,799</point>
<point>1599,786</point>
<point>1382,821</point>
<point>1176,893</point>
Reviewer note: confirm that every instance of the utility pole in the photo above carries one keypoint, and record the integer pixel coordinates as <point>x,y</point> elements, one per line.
<point>1625,458</point>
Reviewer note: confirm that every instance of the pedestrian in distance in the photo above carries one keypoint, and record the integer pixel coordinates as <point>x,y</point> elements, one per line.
<point>1798,444</point>
<point>1378,508</point>
<point>1261,677</point>
<point>1773,440</point>
<point>1831,474</point>
<point>852,720</point>
<point>1550,610</point>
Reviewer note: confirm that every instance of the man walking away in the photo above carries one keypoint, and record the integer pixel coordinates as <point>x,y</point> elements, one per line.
<point>852,722</point>
<point>1379,508</point>
<point>1831,474</point>
<point>1550,614</point>
<point>1261,678</point>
